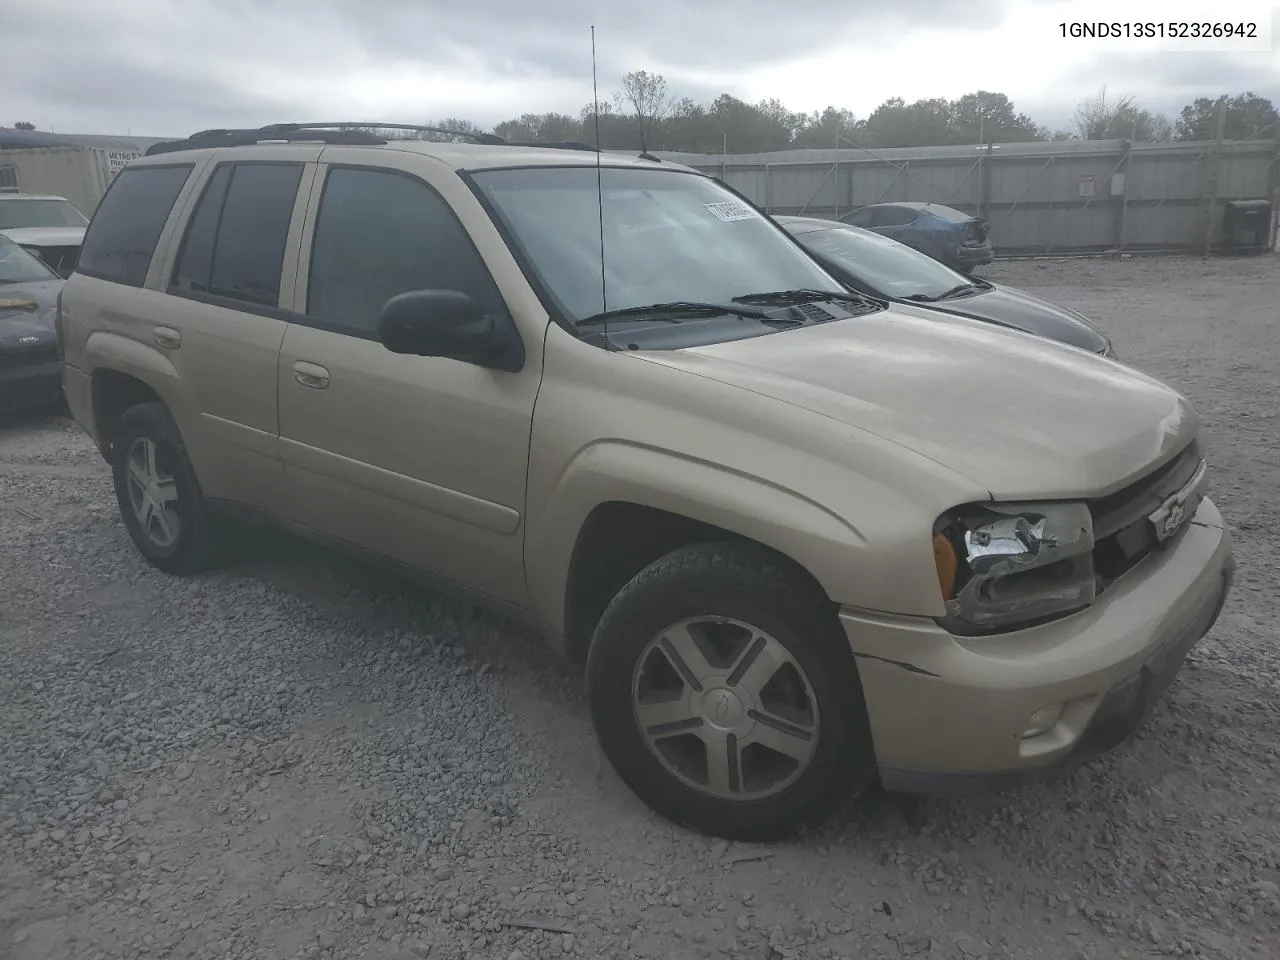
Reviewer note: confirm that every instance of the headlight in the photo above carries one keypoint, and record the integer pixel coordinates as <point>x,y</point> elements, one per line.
<point>1006,566</point>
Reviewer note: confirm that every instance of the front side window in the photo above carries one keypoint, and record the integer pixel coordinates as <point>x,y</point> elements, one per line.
<point>126,227</point>
<point>18,266</point>
<point>885,265</point>
<point>39,212</point>
<point>380,233</point>
<point>668,236</point>
<point>235,242</point>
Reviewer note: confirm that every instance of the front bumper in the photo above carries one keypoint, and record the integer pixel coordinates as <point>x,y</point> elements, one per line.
<point>950,713</point>
<point>21,380</point>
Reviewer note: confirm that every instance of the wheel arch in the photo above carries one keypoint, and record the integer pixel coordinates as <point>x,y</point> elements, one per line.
<point>618,507</point>
<point>125,373</point>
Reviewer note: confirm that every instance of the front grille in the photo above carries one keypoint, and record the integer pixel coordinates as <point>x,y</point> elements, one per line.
<point>1123,533</point>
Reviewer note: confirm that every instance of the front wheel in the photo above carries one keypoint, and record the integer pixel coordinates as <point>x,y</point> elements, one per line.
<point>725,695</point>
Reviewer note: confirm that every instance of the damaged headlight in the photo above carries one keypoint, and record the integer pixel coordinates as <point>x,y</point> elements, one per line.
<point>1006,566</point>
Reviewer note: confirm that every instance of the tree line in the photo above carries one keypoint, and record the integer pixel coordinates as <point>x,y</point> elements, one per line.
<point>643,115</point>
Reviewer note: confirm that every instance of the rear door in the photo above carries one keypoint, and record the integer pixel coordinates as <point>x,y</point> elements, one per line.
<point>226,274</point>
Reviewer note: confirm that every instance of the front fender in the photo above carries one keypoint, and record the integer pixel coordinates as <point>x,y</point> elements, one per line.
<point>616,470</point>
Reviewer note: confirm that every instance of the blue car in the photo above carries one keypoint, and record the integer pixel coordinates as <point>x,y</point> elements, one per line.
<point>887,270</point>
<point>958,239</point>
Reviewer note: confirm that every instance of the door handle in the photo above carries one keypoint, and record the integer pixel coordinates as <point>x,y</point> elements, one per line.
<point>311,375</point>
<point>168,338</point>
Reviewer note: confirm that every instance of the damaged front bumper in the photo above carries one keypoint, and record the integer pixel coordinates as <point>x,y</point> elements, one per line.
<point>951,713</point>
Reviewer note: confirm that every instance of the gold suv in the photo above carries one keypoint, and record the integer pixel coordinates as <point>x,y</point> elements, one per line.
<point>800,539</point>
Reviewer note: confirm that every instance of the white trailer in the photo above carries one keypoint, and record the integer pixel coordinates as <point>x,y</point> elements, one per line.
<point>79,173</point>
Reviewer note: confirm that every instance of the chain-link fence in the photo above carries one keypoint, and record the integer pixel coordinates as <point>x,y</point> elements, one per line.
<point>1040,198</point>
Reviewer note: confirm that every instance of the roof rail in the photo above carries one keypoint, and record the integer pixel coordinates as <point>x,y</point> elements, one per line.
<point>241,138</point>
<point>353,133</point>
<point>488,138</point>
<point>554,145</point>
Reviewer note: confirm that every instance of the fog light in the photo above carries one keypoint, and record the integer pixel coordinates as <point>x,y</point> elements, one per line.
<point>1042,721</point>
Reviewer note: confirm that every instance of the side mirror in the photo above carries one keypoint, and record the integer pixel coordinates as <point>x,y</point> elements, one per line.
<point>446,323</point>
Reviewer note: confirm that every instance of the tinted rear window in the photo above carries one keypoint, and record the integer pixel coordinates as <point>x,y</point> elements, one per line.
<point>122,237</point>
<point>234,247</point>
<point>949,214</point>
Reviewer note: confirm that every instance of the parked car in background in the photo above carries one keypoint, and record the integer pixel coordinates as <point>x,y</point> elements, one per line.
<point>50,227</point>
<point>956,238</point>
<point>30,369</point>
<point>889,270</point>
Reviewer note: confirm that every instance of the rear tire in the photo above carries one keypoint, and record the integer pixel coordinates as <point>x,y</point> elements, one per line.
<point>159,496</point>
<point>724,694</point>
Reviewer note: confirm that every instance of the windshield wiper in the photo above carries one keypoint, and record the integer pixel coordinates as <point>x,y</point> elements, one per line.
<point>953,292</point>
<point>959,289</point>
<point>784,298</point>
<point>671,312</point>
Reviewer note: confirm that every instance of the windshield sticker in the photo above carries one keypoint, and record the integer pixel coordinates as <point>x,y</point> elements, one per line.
<point>730,210</point>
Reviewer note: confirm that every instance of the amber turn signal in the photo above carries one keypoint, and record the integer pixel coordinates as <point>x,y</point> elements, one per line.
<point>944,557</point>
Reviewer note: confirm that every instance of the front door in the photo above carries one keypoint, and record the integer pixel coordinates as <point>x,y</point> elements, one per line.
<point>421,459</point>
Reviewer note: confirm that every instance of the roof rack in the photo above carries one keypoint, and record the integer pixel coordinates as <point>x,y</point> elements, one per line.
<point>553,145</point>
<point>351,133</point>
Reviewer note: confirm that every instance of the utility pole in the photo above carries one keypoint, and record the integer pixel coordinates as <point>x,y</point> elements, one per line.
<point>982,167</point>
<point>1275,203</point>
<point>1213,173</point>
<point>835,191</point>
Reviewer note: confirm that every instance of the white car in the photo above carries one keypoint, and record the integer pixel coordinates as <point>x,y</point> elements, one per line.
<point>50,227</point>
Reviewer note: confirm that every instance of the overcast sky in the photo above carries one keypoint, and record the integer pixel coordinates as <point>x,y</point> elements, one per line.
<point>168,67</point>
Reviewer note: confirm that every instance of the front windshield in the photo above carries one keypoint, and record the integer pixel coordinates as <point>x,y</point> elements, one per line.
<point>887,266</point>
<point>668,236</point>
<point>18,266</point>
<point>39,213</point>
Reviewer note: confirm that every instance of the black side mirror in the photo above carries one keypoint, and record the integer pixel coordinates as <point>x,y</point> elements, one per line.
<point>447,323</point>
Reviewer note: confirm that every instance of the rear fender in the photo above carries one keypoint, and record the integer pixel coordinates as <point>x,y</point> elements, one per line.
<point>111,351</point>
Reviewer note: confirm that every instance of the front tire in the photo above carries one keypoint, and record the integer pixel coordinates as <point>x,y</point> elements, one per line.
<point>725,695</point>
<point>159,497</point>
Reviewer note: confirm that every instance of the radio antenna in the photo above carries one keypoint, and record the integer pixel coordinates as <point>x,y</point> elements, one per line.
<point>595,101</point>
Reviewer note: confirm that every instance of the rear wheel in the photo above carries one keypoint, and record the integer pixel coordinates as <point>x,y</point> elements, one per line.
<point>159,497</point>
<point>724,694</point>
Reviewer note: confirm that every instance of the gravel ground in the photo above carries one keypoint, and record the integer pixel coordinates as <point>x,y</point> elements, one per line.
<point>297,757</point>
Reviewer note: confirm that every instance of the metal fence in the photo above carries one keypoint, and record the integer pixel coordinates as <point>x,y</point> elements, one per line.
<point>1042,197</point>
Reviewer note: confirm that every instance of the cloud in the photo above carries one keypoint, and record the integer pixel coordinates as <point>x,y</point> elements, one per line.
<point>167,67</point>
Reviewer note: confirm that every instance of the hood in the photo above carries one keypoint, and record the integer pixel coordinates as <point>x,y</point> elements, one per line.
<point>1023,417</point>
<point>1015,308</point>
<point>27,310</point>
<point>46,236</point>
